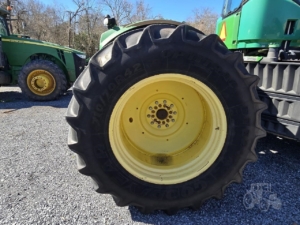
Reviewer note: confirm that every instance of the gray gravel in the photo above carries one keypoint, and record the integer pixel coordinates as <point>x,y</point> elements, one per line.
<point>39,182</point>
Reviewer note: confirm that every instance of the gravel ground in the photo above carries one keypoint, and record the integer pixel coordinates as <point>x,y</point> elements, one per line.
<point>39,182</point>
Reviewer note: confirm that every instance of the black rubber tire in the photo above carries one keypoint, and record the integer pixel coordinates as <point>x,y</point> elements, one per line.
<point>53,69</point>
<point>142,53</point>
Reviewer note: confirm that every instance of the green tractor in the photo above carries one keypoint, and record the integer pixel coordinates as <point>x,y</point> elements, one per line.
<point>267,33</point>
<point>164,117</point>
<point>43,70</point>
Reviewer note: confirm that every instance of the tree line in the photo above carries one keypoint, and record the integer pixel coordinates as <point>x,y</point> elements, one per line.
<point>80,27</point>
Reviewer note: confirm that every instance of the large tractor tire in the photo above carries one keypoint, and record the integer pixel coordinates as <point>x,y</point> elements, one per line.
<point>164,118</point>
<point>42,80</point>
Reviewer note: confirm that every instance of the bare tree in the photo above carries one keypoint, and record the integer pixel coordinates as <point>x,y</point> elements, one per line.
<point>81,7</point>
<point>141,12</point>
<point>126,12</point>
<point>120,9</point>
<point>204,19</point>
<point>89,27</point>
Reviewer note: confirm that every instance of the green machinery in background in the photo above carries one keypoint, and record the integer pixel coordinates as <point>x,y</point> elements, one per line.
<point>43,70</point>
<point>267,33</point>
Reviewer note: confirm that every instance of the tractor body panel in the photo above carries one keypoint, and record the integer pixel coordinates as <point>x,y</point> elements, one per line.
<point>260,24</point>
<point>267,33</point>
<point>19,51</point>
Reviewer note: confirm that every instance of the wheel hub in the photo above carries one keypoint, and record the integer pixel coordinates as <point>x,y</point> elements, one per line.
<point>162,114</point>
<point>41,82</point>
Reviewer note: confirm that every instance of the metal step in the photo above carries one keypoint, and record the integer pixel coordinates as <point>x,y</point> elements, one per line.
<point>279,88</point>
<point>283,78</point>
<point>281,106</point>
<point>281,127</point>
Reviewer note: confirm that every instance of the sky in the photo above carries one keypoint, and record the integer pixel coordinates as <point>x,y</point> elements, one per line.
<point>169,9</point>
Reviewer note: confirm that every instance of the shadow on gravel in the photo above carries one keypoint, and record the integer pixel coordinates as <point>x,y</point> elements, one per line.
<point>14,100</point>
<point>277,168</point>
<point>278,145</point>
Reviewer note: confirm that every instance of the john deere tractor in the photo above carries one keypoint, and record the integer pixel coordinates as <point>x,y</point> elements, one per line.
<point>43,70</point>
<point>267,33</point>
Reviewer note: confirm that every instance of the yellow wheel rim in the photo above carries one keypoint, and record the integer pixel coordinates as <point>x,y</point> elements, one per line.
<point>41,82</point>
<point>167,129</point>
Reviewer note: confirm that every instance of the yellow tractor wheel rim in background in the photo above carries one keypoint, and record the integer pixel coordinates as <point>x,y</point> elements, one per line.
<point>41,82</point>
<point>167,129</point>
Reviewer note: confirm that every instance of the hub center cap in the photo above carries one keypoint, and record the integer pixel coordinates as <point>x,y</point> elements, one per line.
<point>162,114</point>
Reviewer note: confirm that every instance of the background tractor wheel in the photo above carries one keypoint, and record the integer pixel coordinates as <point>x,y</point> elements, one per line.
<point>164,118</point>
<point>42,80</point>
